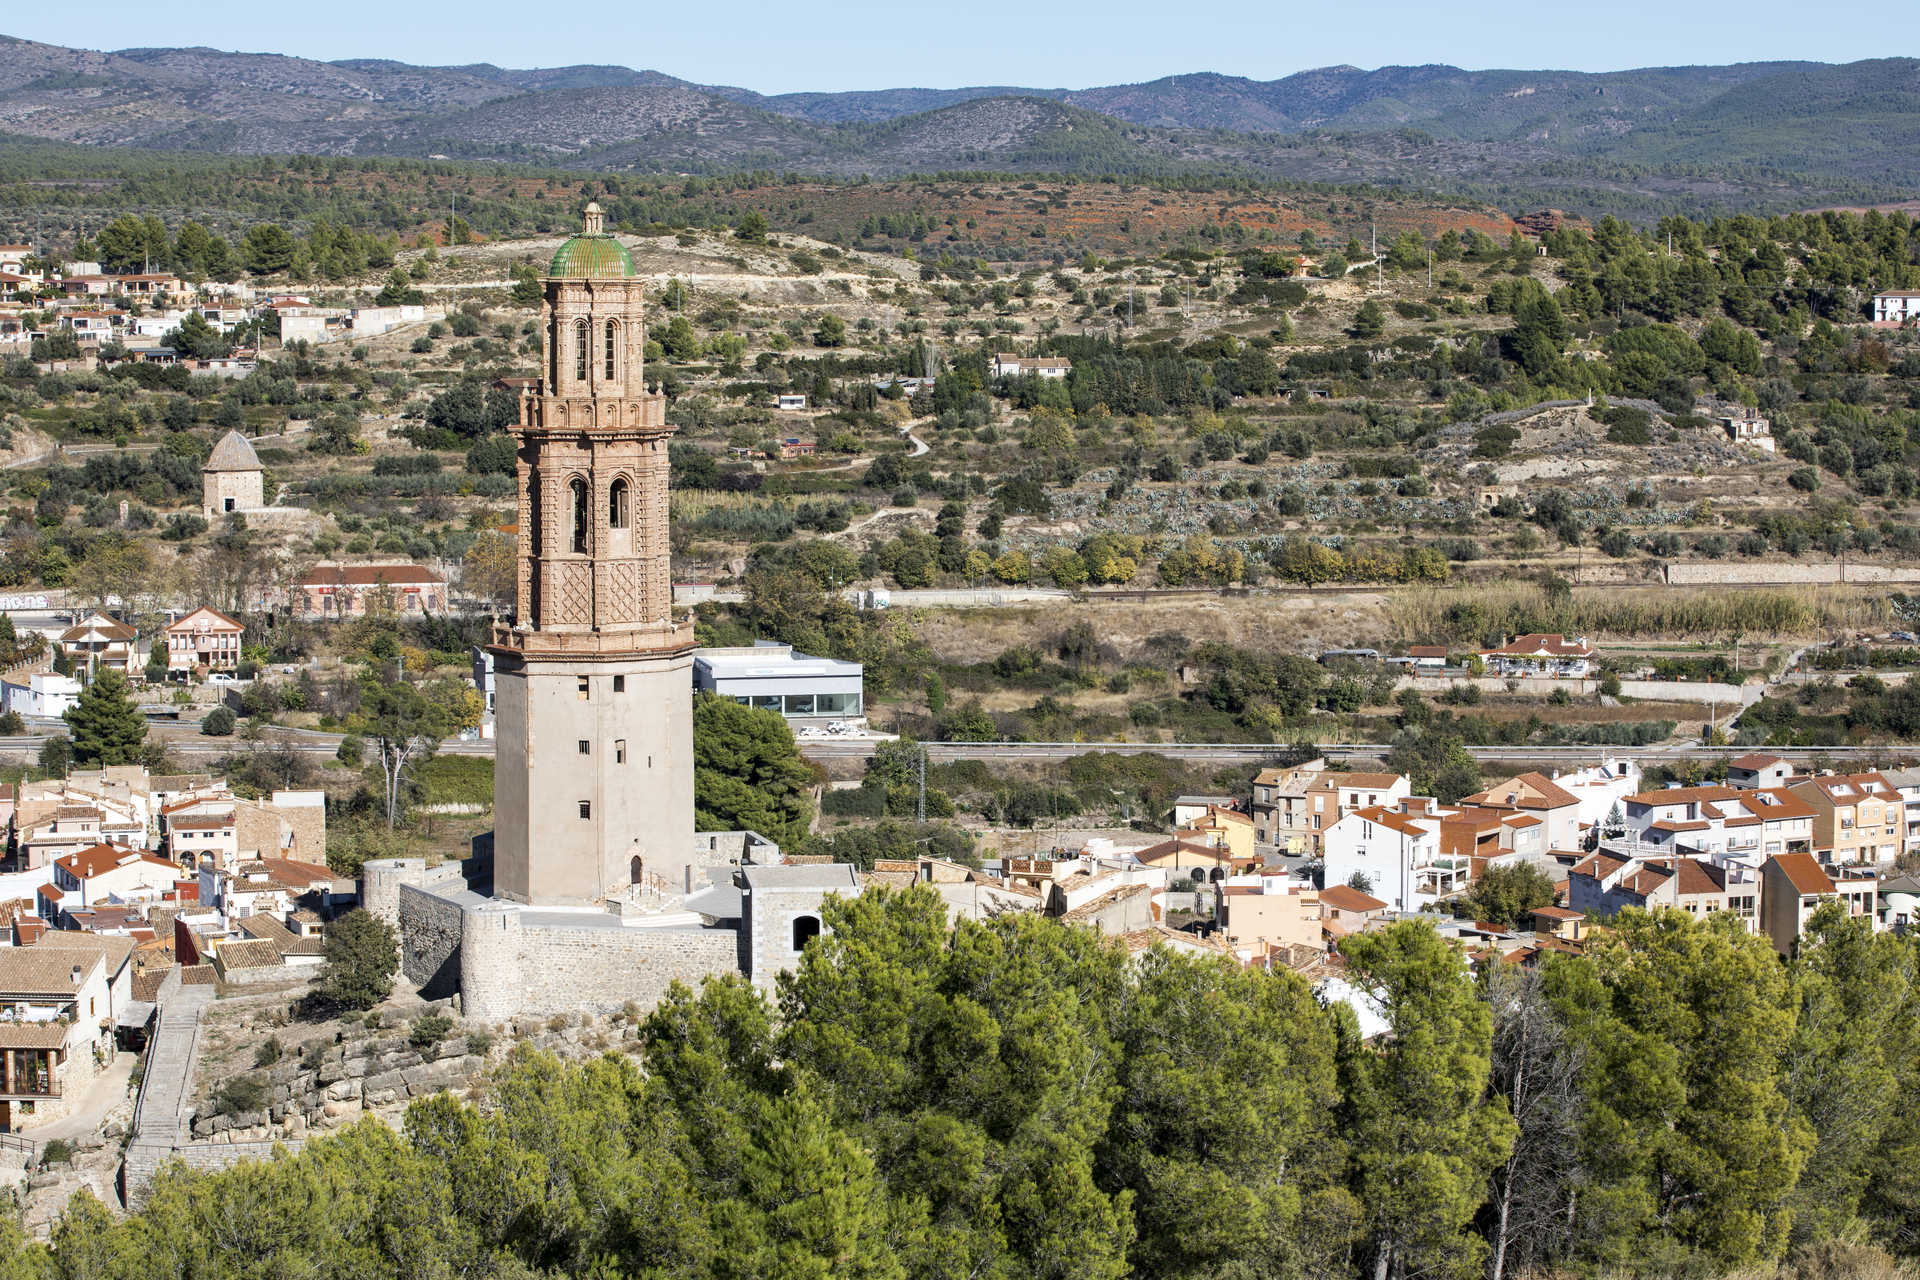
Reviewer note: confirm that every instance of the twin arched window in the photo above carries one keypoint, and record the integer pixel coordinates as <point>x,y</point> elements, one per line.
<point>618,505</point>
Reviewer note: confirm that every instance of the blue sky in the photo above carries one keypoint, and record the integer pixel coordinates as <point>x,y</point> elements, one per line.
<point>864,44</point>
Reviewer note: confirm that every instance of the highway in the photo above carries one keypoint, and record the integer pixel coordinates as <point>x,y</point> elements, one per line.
<point>186,741</point>
<point>1260,752</point>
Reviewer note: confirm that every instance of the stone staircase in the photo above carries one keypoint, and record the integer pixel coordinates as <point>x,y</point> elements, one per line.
<point>163,1114</point>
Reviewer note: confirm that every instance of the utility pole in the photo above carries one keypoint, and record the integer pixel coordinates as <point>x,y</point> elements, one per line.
<point>920,804</point>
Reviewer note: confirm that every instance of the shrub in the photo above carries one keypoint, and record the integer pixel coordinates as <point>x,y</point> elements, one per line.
<point>479,1043</point>
<point>362,954</point>
<point>240,1095</point>
<point>429,1030</point>
<point>219,722</point>
<point>268,1053</point>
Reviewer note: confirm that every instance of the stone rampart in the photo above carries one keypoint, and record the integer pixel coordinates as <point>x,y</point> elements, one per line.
<point>430,929</point>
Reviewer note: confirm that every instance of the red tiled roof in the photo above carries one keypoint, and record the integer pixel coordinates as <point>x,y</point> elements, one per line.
<point>1344,897</point>
<point>1698,877</point>
<point>369,575</point>
<point>1757,761</point>
<point>1802,872</point>
<point>180,624</point>
<point>1537,644</point>
<point>91,861</point>
<point>1389,818</point>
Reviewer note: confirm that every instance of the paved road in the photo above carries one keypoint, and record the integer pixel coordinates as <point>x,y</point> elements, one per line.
<point>1253,752</point>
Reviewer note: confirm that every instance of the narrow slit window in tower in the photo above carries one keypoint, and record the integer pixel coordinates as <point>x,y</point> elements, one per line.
<point>613,330</point>
<point>579,490</point>
<point>581,340</point>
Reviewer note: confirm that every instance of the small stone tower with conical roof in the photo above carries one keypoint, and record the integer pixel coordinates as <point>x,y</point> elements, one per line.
<point>232,479</point>
<point>593,773</point>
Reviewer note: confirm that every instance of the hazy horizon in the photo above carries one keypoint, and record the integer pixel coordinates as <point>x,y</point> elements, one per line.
<point>861,46</point>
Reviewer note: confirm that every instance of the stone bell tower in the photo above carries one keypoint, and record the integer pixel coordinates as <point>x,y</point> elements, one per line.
<point>593,773</point>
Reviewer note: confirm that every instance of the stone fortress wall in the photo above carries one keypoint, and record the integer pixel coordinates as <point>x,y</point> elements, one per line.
<point>504,960</point>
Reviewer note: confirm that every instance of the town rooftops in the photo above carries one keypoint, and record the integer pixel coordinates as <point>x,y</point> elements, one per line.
<point>1526,791</point>
<point>251,954</point>
<point>42,971</point>
<point>100,858</point>
<point>1179,846</point>
<point>98,626</point>
<point>201,615</point>
<point>1392,819</point>
<point>1685,795</point>
<point>298,875</point>
<point>1803,873</point>
<point>1350,780</point>
<point>115,949</point>
<point>1542,645</point>
<point>832,876</point>
<point>1849,787</point>
<point>1344,897</point>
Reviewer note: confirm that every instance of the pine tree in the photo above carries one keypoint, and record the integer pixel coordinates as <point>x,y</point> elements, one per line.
<point>1425,1133</point>
<point>107,728</point>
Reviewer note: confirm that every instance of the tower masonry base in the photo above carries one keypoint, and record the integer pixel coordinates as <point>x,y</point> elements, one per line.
<point>593,775</point>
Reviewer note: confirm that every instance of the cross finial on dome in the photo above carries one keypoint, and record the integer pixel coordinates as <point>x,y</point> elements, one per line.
<point>596,220</point>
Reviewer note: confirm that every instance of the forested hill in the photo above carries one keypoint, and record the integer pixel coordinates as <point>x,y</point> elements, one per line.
<point>1752,135</point>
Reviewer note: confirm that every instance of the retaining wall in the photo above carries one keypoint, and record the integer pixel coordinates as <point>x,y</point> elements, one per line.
<point>1788,573</point>
<point>1658,690</point>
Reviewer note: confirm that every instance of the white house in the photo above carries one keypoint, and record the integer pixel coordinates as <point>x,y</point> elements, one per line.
<point>44,694</point>
<point>1540,654</point>
<point>1733,824</point>
<point>102,875</point>
<point>373,321</point>
<point>1398,853</point>
<point>1891,310</point>
<point>1006,365</point>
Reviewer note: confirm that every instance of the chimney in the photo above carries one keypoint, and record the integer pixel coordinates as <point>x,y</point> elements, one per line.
<point>76,975</point>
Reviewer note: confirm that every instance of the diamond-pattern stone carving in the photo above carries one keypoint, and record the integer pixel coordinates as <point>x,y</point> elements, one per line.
<point>623,592</point>
<point>576,592</point>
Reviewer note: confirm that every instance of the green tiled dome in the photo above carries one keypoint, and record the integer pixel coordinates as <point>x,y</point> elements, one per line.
<point>592,255</point>
<point>591,258</point>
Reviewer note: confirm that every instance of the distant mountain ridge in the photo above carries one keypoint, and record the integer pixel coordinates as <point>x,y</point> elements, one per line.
<point>1744,133</point>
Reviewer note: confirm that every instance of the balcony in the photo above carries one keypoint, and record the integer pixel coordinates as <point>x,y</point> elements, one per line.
<point>30,1090</point>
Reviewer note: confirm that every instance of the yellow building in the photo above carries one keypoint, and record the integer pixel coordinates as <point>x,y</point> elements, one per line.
<point>1227,829</point>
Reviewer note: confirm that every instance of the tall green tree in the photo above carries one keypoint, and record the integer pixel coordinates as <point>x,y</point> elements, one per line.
<point>362,953</point>
<point>748,774</point>
<point>404,727</point>
<point>107,727</point>
<point>1423,1129</point>
<point>1689,1143</point>
<point>1847,1062</point>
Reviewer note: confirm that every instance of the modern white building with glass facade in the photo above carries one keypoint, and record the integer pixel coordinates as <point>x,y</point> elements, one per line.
<point>774,677</point>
